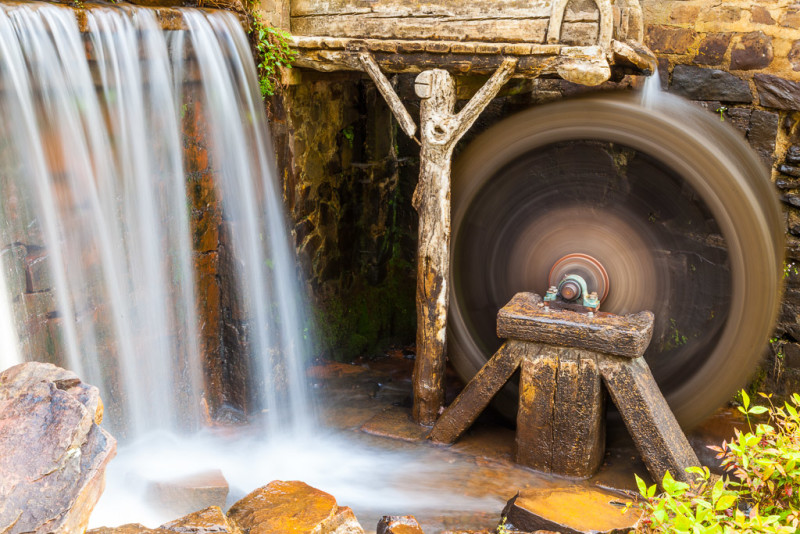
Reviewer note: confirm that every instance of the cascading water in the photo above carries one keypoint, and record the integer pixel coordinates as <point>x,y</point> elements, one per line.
<point>99,156</point>
<point>9,345</point>
<point>93,139</point>
<point>651,92</point>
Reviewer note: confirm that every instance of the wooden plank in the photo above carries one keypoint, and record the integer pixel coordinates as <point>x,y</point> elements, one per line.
<point>578,421</point>
<point>647,415</point>
<point>527,30</point>
<point>460,415</point>
<point>404,8</point>
<point>526,318</point>
<point>537,393</point>
<point>560,423</point>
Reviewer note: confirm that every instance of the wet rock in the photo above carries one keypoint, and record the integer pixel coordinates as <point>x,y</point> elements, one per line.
<point>399,524</point>
<point>53,454</point>
<point>784,184</point>
<point>790,16</point>
<point>752,51</point>
<point>791,353</point>
<point>697,83</point>
<point>789,170</point>
<point>37,270</point>
<point>572,510</point>
<point>292,507</point>
<point>207,521</point>
<point>776,92</point>
<point>791,200</point>
<point>712,49</point>
<point>762,133</point>
<point>793,155</point>
<point>185,495</point>
<point>130,528</point>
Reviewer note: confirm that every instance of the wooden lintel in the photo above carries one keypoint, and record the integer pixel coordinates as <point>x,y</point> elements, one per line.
<point>415,56</point>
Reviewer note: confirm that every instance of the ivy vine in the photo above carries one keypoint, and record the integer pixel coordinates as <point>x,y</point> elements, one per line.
<point>272,51</point>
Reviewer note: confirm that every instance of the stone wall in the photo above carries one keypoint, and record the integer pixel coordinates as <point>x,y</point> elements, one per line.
<point>738,59</point>
<point>741,59</point>
<point>347,190</point>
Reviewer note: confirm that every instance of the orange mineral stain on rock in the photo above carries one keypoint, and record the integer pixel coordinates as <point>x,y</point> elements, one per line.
<point>292,507</point>
<point>571,510</point>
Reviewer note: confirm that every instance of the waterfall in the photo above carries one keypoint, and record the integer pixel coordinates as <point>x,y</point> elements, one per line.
<point>93,138</point>
<point>9,345</point>
<point>651,92</point>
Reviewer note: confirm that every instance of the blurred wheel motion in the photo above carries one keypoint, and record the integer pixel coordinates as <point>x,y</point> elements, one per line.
<point>672,204</point>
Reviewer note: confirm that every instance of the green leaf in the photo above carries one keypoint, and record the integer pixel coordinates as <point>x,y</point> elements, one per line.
<point>716,492</point>
<point>745,399</point>
<point>757,410</point>
<point>725,502</point>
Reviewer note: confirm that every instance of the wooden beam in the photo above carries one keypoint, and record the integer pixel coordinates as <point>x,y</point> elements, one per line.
<point>441,129</point>
<point>385,87</point>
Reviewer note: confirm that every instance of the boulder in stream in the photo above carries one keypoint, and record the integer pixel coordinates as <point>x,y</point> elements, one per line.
<point>399,524</point>
<point>571,510</point>
<point>53,453</point>
<point>210,520</point>
<point>292,508</point>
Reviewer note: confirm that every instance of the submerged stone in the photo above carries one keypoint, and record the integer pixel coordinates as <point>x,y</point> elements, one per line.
<point>292,507</point>
<point>187,494</point>
<point>571,510</point>
<point>53,454</point>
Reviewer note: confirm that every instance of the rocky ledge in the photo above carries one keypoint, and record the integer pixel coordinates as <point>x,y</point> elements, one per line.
<point>53,453</point>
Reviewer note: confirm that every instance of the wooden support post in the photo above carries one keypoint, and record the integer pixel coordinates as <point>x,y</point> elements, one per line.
<point>441,129</point>
<point>475,397</point>
<point>560,424</point>
<point>647,415</point>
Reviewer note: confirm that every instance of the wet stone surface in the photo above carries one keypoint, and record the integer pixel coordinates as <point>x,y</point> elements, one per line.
<point>372,395</point>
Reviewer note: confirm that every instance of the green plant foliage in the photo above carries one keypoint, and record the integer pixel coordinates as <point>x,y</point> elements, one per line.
<point>758,494</point>
<point>272,52</point>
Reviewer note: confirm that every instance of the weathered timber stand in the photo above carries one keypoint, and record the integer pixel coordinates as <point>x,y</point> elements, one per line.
<point>565,357</point>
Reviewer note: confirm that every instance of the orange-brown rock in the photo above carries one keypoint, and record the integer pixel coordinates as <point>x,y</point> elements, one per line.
<point>292,507</point>
<point>399,524</point>
<point>207,521</point>
<point>571,510</point>
<point>211,520</point>
<point>53,454</point>
<point>130,528</point>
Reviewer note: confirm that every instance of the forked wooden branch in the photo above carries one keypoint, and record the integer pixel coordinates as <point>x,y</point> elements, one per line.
<point>441,128</point>
<point>385,87</point>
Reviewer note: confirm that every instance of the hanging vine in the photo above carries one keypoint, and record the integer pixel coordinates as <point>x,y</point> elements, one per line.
<point>272,51</point>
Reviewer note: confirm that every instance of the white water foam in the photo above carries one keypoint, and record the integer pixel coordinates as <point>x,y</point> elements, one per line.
<point>9,343</point>
<point>651,92</point>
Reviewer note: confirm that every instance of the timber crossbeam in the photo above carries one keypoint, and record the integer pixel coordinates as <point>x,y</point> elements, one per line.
<point>399,56</point>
